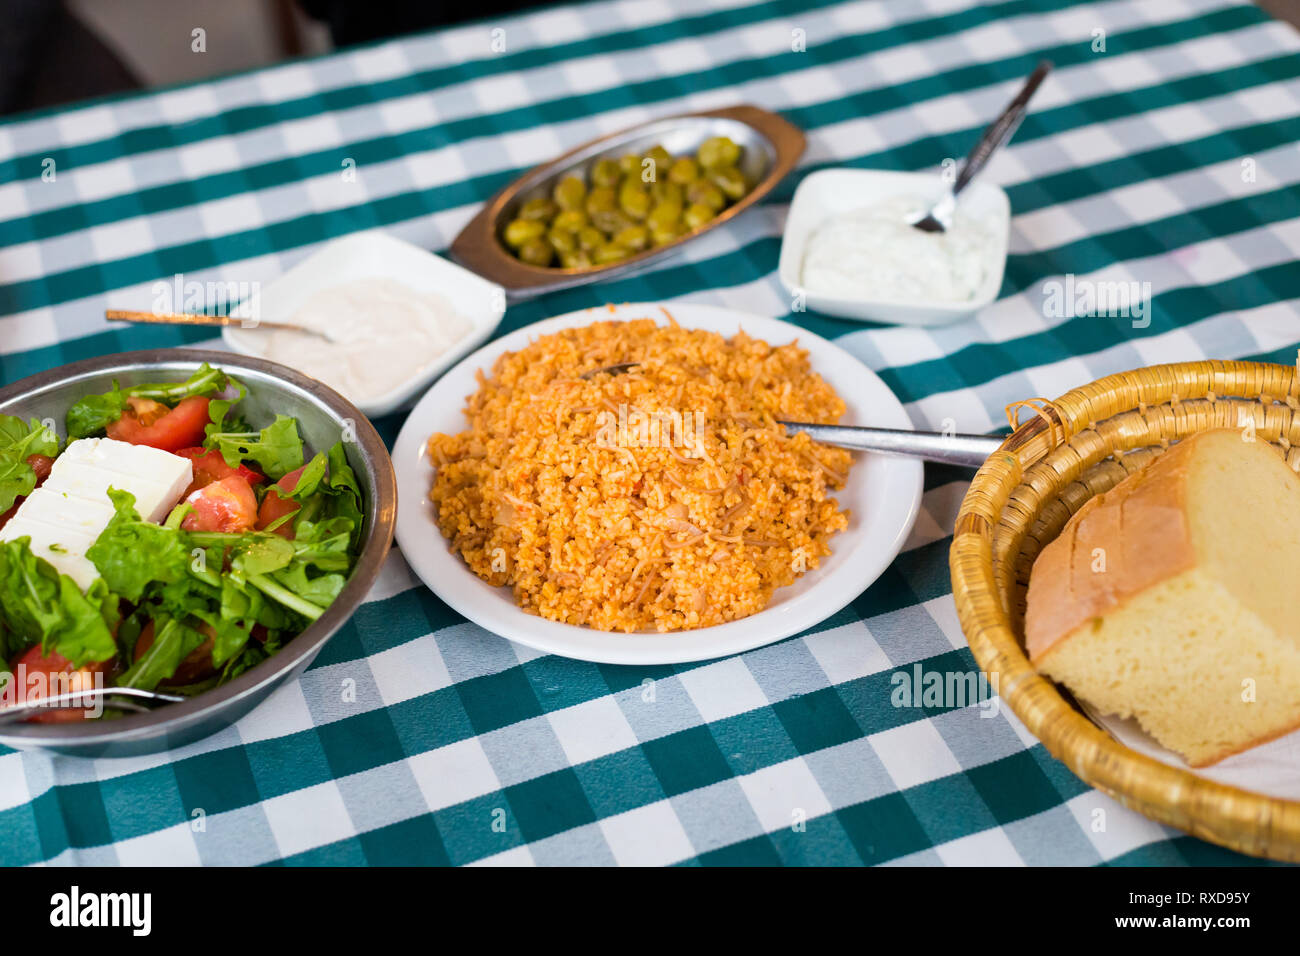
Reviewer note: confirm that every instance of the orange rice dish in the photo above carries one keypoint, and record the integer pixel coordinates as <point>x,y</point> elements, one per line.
<point>662,498</point>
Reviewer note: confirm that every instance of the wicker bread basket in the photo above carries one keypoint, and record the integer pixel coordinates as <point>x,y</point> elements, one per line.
<point>1079,445</point>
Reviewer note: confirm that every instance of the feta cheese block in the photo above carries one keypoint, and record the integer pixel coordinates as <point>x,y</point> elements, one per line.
<point>58,544</point>
<point>68,512</point>
<point>88,467</point>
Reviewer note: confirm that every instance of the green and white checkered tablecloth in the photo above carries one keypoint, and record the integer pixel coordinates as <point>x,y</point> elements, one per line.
<point>1162,150</point>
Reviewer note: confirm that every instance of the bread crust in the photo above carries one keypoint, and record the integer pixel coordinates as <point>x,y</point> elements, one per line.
<point>1233,751</point>
<point>1138,531</point>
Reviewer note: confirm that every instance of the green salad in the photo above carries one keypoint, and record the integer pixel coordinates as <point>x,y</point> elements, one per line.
<point>167,543</point>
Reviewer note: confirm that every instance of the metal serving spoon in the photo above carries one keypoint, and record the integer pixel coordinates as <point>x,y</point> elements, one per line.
<point>198,318</point>
<point>939,218</point>
<point>967,451</point>
<point>84,698</point>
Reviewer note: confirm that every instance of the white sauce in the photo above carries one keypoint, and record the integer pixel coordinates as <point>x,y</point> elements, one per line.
<point>874,253</point>
<point>384,334</point>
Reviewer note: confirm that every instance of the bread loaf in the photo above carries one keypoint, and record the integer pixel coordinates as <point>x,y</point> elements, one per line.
<point>1172,598</point>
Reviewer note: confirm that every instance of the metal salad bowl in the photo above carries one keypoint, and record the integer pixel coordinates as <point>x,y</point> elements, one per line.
<point>323,417</point>
<point>770,148</point>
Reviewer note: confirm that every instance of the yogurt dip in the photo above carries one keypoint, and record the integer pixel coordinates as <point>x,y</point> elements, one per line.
<point>874,253</point>
<point>381,334</point>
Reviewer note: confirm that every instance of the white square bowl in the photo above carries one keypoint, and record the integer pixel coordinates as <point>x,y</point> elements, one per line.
<point>832,192</point>
<point>377,255</point>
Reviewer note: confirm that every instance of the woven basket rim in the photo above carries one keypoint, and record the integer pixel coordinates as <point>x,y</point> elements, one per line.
<point>1240,819</point>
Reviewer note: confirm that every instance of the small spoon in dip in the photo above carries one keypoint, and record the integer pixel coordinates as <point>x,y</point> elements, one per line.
<point>939,217</point>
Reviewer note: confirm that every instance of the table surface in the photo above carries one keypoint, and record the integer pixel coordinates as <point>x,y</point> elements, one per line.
<point>1168,157</point>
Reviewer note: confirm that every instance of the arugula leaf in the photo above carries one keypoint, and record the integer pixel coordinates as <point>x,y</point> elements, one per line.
<point>277,449</point>
<point>231,636</point>
<point>241,602</point>
<point>218,408</point>
<point>320,591</point>
<point>91,414</point>
<point>206,380</point>
<point>313,473</point>
<point>325,545</point>
<point>246,660</point>
<point>130,552</point>
<point>42,605</point>
<point>19,440</point>
<point>342,477</point>
<point>172,643</point>
<point>261,554</point>
<point>346,502</point>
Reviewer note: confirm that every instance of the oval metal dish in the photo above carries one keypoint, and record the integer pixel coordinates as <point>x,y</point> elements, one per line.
<point>771,146</point>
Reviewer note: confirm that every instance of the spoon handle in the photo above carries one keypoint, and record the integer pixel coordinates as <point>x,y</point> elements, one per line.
<point>1001,129</point>
<point>968,451</point>
<point>197,318</point>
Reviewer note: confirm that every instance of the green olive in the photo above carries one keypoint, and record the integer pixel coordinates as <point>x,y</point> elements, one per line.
<point>609,253</point>
<point>684,171</point>
<point>730,181</point>
<point>569,193</point>
<point>633,199</point>
<point>660,162</point>
<point>579,259</point>
<point>571,220</point>
<point>600,198</point>
<point>541,208</point>
<point>521,231</point>
<point>665,215</point>
<point>696,215</point>
<point>634,238</point>
<point>562,240</point>
<point>605,172</point>
<point>705,193</point>
<point>629,163</point>
<point>537,252</point>
<point>718,151</point>
<point>665,190</point>
<point>589,237</point>
<point>610,221</point>
<point>665,234</point>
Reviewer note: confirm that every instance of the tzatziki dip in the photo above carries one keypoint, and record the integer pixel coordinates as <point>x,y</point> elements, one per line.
<point>875,253</point>
<point>378,335</point>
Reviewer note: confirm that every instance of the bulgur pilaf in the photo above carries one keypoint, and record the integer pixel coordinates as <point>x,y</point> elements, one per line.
<point>663,498</point>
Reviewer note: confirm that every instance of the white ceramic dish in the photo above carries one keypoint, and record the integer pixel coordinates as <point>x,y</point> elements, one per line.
<point>883,495</point>
<point>832,192</point>
<point>377,255</point>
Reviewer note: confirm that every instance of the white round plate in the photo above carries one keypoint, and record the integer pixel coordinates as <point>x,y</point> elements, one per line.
<point>882,494</point>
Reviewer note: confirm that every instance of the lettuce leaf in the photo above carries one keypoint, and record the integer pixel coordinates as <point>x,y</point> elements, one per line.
<point>172,643</point>
<point>18,440</point>
<point>43,606</point>
<point>277,448</point>
<point>131,553</point>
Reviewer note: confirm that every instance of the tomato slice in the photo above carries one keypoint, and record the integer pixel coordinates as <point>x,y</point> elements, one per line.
<point>228,505</point>
<point>290,481</point>
<point>41,464</point>
<point>146,422</point>
<point>274,506</point>
<point>197,664</point>
<point>36,676</point>
<point>210,466</point>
